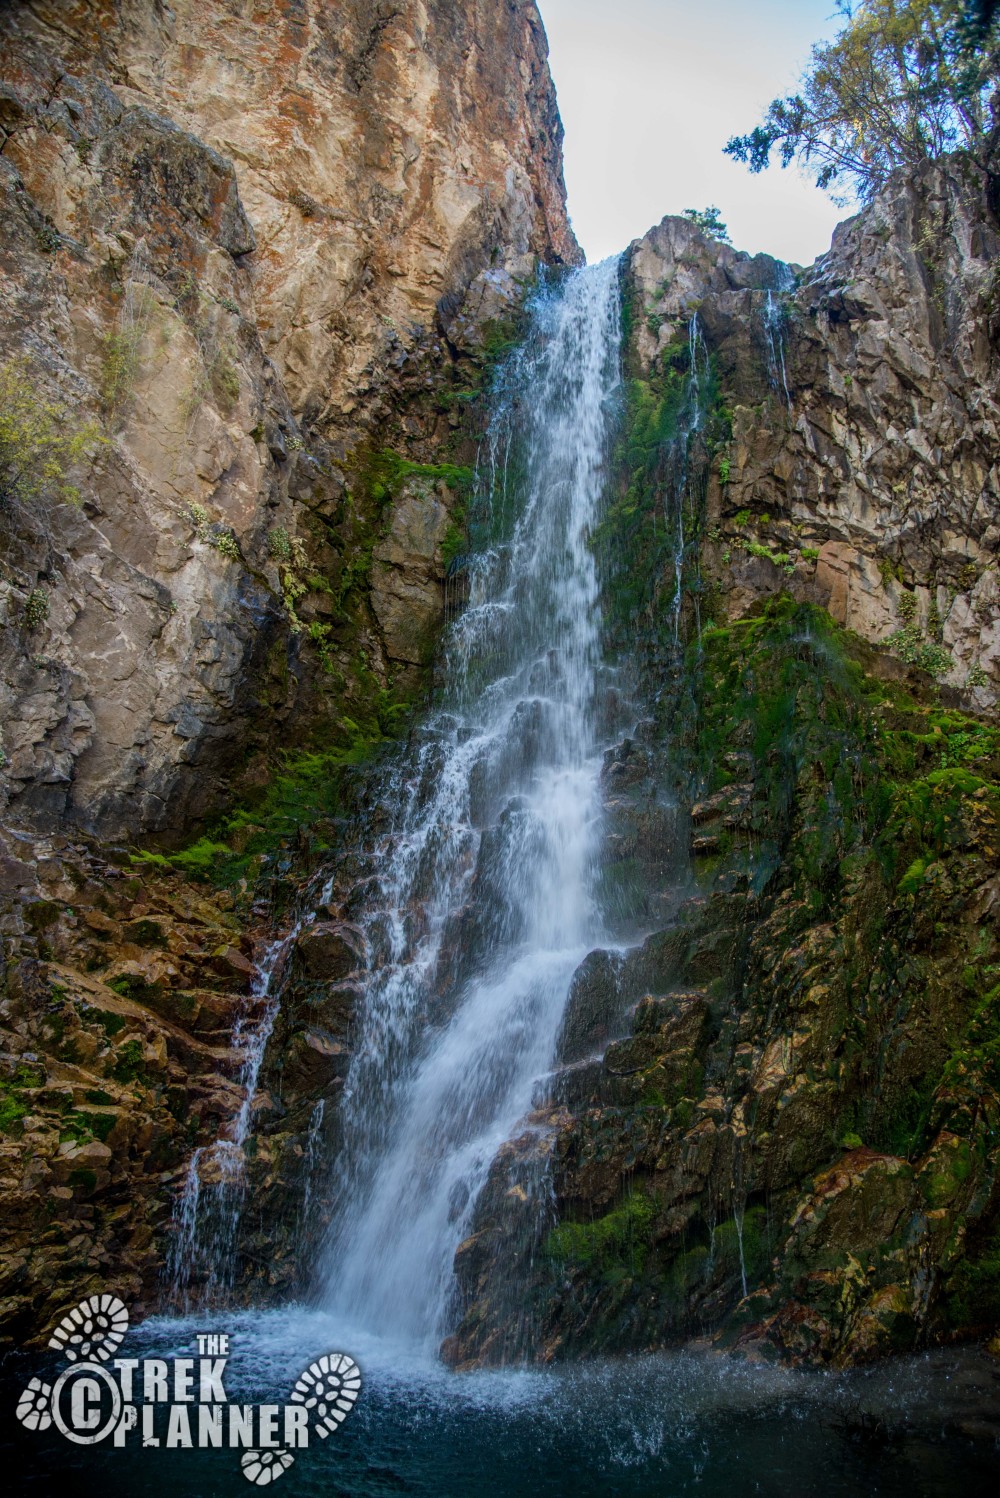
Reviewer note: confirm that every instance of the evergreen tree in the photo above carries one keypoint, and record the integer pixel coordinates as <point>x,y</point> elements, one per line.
<point>903,81</point>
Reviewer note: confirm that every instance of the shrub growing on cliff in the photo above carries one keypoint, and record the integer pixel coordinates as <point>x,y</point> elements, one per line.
<point>39,441</point>
<point>903,81</point>
<point>709,221</point>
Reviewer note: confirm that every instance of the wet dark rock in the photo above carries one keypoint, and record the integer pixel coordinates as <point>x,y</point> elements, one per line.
<point>577,1085</point>
<point>230,963</point>
<point>314,1061</point>
<point>593,1008</point>
<point>334,1005</point>
<point>331,949</point>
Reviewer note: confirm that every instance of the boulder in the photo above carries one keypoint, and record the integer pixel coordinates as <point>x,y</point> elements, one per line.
<point>331,949</point>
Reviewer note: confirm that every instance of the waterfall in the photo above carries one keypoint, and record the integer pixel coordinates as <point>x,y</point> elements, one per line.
<point>487,881</point>
<point>676,483</point>
<point>774,332</point>
<point>208,1211</point>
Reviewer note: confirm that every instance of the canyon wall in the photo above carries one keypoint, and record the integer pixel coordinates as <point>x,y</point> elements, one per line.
<point>863,417</point>
<point>252,244</point>
<point>775,1121</point>
<point>256,261</point>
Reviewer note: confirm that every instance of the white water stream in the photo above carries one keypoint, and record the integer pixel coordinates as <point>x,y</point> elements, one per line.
<point>488,902</point>
<point>211,1201</point>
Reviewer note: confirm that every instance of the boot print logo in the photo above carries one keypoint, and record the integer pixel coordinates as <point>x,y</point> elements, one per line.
<point>179,1402</point>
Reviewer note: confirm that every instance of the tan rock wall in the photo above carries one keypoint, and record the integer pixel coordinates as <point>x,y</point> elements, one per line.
<point>242,237</point>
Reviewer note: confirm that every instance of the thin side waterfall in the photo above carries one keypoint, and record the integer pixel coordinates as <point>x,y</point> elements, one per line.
<point>774,332</point>
<point>208,1211</point>
<point>676,486</point>
<point>312,1155</point>
<point>488,879</point>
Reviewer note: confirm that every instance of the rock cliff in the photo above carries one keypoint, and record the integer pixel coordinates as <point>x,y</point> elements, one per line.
<point>255,245</point>
<point>775,1120</point>
<point>863,420</point>
<point>256,259</point>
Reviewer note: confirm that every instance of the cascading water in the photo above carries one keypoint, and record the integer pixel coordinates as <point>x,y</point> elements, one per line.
<point>488,881</point>
<point>675,489</point>
<point>208,1211</point>
<point>774,333</point>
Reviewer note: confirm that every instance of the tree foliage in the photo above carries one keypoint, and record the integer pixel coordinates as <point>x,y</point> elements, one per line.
<point>40,442</point>
<point>902,82</point>
<point>709,220</point>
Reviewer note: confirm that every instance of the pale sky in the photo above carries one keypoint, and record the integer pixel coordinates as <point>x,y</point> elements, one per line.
<point>651,90</point>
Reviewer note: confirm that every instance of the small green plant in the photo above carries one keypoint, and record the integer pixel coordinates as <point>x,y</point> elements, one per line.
<point>913,647</point>
<point>279,545</point>
<point>228,305</point>
<point>779,558</point>
<point>14,1106</point>
<point>36,608</point>
<point>200,519</point>
<point>320,636</point>
<point>48,239</point>
<point>40,441</point>
<point>290,553</point>
<point>724,468</point>
<point>977,677</point>
<point>913,878</point>
<point>906,607</point>
<point>118,368</point>
<point>809,553</point>
<point>742,517</point>
<point>129,1064</point>
<point>292,589</point>
<point>226,543</point>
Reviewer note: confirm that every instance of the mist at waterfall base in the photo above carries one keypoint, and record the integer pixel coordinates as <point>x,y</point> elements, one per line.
<point>670,1424</point>
<point>495,840</point>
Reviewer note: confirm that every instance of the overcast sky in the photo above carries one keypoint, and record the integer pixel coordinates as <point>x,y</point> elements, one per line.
<point>651,90</point>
